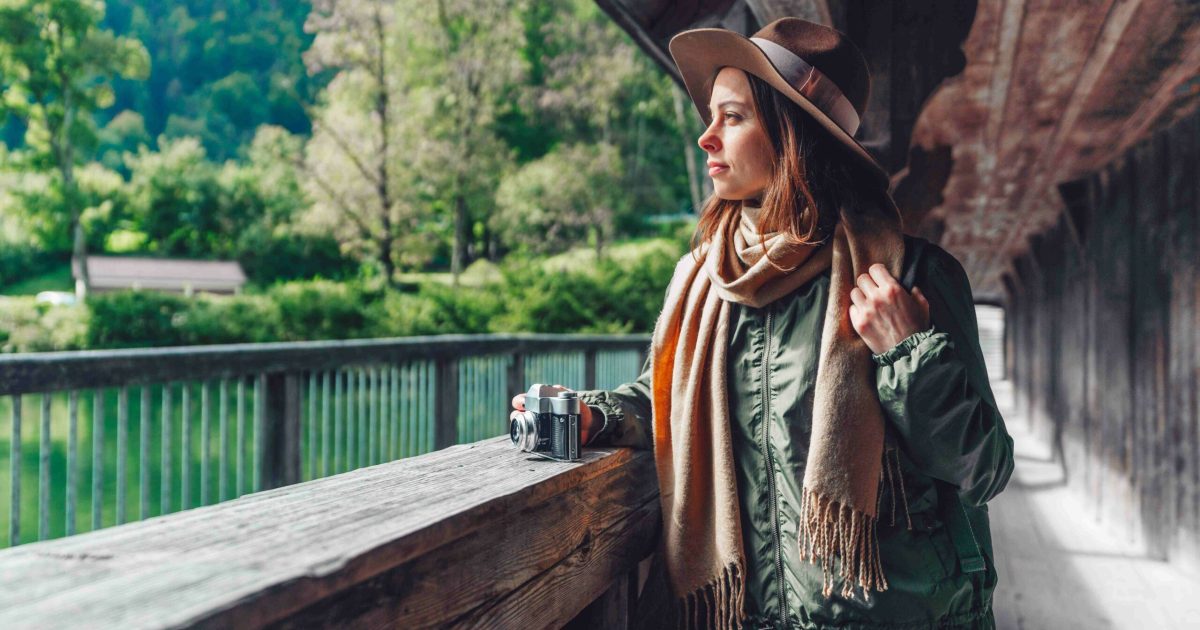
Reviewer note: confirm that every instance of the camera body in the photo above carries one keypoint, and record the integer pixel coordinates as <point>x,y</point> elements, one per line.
<point>550,424</point>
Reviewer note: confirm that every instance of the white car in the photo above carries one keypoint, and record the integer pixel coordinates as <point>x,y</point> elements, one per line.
<point>56,297</point>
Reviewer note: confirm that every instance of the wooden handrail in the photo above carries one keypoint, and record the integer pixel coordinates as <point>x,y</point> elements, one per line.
<point>476,535</point>
<point>56,371</point>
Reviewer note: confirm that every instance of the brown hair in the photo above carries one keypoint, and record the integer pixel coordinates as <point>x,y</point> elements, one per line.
<point>812,171</point>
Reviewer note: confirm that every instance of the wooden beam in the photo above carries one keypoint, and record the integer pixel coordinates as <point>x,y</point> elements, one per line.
<point>57,371</point>
<point>477,535</point>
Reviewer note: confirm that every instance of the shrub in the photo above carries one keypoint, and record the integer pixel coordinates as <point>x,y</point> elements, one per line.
<point>130,319</point>
<point>321,309</point>
<point>219,319</point>
<point>26,326</point>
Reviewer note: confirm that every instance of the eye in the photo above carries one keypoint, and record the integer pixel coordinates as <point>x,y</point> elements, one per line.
<point>734,116</point>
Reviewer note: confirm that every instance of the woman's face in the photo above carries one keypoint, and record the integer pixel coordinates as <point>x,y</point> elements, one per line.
<point>740,157</point>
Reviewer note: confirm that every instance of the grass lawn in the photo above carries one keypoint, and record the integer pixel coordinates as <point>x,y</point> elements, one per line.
<point>57,280</point>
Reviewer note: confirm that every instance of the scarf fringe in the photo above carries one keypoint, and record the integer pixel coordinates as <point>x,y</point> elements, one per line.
<point>718,605</point>
<point>830,530</point>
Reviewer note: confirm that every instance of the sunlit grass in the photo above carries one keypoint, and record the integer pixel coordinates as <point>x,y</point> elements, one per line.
<point>57,280</point>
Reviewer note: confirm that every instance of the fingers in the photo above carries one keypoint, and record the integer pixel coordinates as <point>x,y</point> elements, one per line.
<point>857,296</point>
<point>920,298</point>
<point>866,284</point>
<point>882,277</point>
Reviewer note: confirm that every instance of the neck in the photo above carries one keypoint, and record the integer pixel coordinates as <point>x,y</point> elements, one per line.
<point>751,211</point>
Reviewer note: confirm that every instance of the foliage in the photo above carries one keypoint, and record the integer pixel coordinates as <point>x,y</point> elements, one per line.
<point>27,326</point>
<point>614,296</point>
<point>56,65</point>
<point>130,319</point>
<point>218,71</point>
<point>559,199</point>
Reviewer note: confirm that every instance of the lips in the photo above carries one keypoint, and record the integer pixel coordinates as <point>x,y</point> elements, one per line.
<point>715,168</point>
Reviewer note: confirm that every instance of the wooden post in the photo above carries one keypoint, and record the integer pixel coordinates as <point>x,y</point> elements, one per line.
<point>589,368</point>
<point>281,431</point>
<point>613,609</point>
<point>516,375</point>
<point>445,426</point>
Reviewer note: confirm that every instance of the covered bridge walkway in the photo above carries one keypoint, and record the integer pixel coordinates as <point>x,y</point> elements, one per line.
<point>1051,146</point>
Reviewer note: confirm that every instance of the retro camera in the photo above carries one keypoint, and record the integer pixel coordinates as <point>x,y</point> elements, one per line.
<point>549,426</point>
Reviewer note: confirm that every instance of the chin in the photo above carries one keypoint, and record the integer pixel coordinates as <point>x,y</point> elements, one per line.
<point>730,195</point>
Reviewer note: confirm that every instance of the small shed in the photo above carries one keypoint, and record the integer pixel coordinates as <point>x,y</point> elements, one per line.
<point>113,273</point>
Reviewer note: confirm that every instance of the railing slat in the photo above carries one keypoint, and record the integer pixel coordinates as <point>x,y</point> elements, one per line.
<point>338,399</point>
<point>205,426</point>
<point>223,433</point>
<point>185,449</point>
<point>72,458</point>
<point>260,390</point>
<point>14,477</point>
<point>97,459</point>
<point>394,445</point>
<point>383,378</point>
<point>364,429</point>
<point>240,454</point>
<point>44,472</point>
<point>164,465</point>
<point>351,420</point>
<point>144,456</point>
<point>410,403</point>
<point>311,444</point>
<point>325,424</point>
<point>122,449</point>
<point>373,424</point>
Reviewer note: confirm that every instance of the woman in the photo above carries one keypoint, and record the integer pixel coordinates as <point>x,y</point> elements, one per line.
<point>825,440</point>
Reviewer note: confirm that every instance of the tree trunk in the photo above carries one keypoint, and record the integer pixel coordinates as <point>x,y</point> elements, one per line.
<point>460,237</point>
<point>79,249</point>
<point>689,151</point>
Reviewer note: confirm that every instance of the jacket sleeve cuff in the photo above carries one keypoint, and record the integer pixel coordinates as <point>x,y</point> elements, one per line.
<point>609,408</point>
<point>902,349</point>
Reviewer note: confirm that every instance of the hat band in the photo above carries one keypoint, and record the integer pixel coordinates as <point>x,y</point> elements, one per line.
<point>812,84</point>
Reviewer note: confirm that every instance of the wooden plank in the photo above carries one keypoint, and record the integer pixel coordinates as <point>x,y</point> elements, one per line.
<point>445,423</point>
<point>90,369</point>
<point>383,544</point>
<point>14,475</point>
<point>281,431</point>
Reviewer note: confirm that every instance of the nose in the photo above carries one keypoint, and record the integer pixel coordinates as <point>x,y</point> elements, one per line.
<point>709,141</point>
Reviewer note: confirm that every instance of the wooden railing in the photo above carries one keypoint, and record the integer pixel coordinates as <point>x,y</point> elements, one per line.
<point>269,415</point>
<point>473,536</point>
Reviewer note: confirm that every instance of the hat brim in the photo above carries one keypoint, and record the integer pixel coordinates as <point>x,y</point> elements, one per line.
<point>700,53</point>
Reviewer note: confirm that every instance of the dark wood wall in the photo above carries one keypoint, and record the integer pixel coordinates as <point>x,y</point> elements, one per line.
<point>1103,318</point>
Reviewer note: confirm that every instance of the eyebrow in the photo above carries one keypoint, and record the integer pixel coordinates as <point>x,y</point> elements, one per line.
<point>727,102</point>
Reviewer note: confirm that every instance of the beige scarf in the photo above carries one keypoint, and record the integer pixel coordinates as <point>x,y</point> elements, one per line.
<point>702,538</point>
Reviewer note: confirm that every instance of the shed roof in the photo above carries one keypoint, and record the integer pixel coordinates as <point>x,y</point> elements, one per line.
<point>112,271</point>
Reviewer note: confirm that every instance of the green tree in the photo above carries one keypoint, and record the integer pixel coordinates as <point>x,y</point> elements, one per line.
<point>469,52</point>
<point>359,162</point>
<point>560,199</point>
<point>56,67</point>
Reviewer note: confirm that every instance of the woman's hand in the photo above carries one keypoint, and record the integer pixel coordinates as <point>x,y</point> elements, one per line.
<point>883,313</point>
<point>585,415</point>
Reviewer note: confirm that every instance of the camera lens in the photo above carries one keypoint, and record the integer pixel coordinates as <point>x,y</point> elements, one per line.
<point>523,430</point>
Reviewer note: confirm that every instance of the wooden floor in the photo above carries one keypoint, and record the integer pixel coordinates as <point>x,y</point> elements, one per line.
<point>1059,570</point>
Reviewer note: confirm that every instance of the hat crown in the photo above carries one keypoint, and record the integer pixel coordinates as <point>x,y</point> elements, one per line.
<point>827,50</point>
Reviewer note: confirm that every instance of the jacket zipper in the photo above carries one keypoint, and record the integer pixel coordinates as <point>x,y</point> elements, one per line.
<point>766,444</point>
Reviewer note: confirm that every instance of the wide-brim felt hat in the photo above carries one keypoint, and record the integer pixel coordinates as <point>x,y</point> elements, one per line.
<point>815,66</point>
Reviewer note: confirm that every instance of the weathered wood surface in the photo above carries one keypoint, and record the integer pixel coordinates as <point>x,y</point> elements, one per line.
<point>56,371</point>
<point>1105,341</point>
<point>477,535</point>
<point>1060,569</point>
<point>1052,91</point>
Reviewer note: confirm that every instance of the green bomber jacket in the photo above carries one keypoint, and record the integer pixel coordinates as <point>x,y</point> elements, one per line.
<point>954,456</point>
